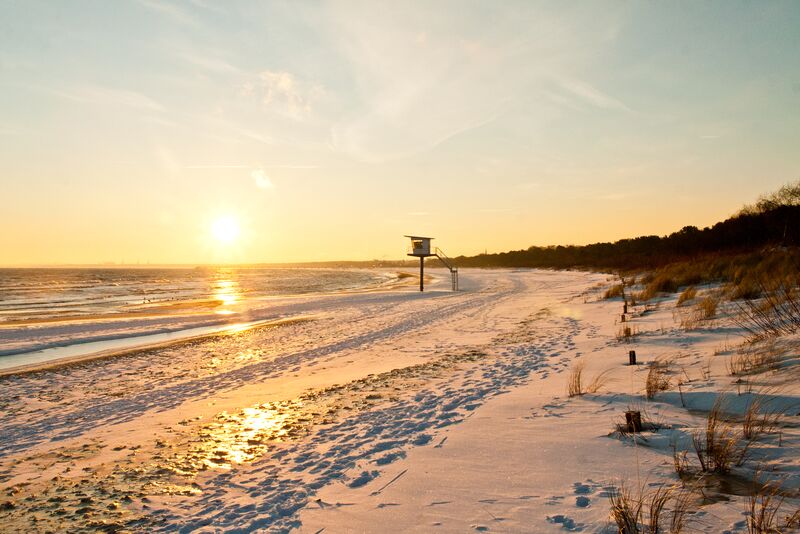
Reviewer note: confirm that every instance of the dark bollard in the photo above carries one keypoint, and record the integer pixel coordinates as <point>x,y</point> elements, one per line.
<point>632,357</point>
<point>622,320</point>
<point>633,421</point>
<point>625,307</point>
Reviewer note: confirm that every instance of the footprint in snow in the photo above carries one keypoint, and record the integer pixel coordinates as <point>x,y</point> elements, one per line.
<point>363,479</point>
<point>567,523</point>
<point>583,490</point>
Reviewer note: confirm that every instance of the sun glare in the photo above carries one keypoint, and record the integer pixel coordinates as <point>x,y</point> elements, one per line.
<point>225,229</point>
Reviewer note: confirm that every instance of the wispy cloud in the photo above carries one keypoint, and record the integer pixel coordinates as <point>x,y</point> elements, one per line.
<point>424,77</point>
<point>209,62</point>
<point>291,166</point>
<point>281,91</point>
<point>255,136</point>
<point>95,94</point>
<point>261,179</point>
<point>171,10</point>
<point>588,94</point>
<point>217,166</point>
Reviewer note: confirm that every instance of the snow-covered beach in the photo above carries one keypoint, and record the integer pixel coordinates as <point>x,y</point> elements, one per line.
<point>387,411</point>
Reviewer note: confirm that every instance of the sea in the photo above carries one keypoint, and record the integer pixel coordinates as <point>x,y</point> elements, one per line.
<point>53,313</point>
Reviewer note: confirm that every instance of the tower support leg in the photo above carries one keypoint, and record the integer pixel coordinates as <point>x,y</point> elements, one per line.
<point>421,273</point>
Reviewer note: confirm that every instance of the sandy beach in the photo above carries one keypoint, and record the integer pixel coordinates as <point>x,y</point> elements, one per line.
<point>389,410</point>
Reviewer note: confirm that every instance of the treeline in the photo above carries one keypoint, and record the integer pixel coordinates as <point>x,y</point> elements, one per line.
<point>769,223</point>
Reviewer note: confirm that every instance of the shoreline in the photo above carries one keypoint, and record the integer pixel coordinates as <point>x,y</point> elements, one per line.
<point>146,347</point>
<point>199,306</point>
<point>33,340</point>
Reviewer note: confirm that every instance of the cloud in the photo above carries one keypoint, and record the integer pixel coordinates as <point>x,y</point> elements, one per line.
<point>261,179</point>
<point>94,94</point>
<point>291,166</point>
<point>255,136</point>
<point>171,10</point>
<point>281,91</point>
<point>209,62</point>
<point>591,95</point>
<point>217,166</point>
<point>424,76</point>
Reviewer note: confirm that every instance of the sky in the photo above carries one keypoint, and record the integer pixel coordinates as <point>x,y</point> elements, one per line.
<point>131,130</point>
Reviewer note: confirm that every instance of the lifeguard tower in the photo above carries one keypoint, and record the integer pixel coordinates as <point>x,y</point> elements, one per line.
<point>421,248</point>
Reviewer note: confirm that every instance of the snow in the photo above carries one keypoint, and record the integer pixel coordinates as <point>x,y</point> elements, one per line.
<point>390,411</point>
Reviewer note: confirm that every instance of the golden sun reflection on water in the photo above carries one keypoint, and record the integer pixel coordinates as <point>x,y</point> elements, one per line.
<point>227,292</point>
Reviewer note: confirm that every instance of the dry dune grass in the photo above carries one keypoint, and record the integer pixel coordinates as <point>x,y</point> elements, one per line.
<point>776,314</point>
<point>617,290</point>
<point>766,513</point>
<point>760,417</point>
<point>576,385</point>
<point>626,333</point>
<point>701,312</point>
<point>755,360</point>
<point>686,295</point>
<point>708,306</point>
<point>718,447</point>
<point>658,378</point>
<point>721,445</point>
<point>648,512</point>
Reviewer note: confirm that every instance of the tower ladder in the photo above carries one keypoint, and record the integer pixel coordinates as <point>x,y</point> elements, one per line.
<point>439,253</point>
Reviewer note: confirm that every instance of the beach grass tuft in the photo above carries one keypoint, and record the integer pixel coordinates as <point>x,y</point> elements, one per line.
<point>686,295</point>
<point>617,290</point>
<point>658,378</point>
<point>765,509</point>
<point>576,385</point>
<point>645,512</point>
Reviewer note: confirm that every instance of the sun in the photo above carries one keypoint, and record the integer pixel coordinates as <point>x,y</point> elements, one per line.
<point>225,229</point>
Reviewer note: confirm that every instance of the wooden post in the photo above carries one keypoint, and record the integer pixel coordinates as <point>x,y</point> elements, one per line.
<point>632,357</point>
<point>633,421</point>
<point>622,319</point>
<point>625,307</point>
<point>421,272</point>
